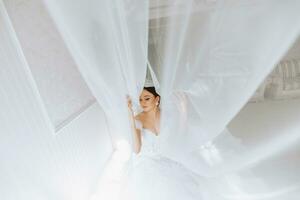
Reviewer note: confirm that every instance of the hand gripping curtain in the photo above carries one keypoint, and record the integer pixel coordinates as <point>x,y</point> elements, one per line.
<point>108,40</point>
<point>212,55</point>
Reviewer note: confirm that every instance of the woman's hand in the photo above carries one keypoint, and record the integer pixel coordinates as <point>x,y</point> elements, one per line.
<point>129,102</point>
<point>137,141</point>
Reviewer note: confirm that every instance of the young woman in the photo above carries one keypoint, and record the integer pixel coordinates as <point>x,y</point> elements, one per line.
<point>154,176</point>
<point>148,120</point>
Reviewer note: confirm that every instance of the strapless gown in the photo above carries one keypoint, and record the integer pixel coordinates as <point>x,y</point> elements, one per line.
<point>155,177</point>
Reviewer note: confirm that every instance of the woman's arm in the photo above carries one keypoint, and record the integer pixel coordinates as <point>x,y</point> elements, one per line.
<point>137,141</point>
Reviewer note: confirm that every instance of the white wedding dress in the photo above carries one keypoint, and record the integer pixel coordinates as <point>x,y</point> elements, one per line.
<point>155,177</point>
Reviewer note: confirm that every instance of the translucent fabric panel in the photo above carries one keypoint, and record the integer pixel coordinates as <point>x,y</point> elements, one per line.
<point>214,54</point>
<point>273,178</point>
<point>261,159</point>
<point>60,85</point>
<point>14,72</point>
<point>108,40</point>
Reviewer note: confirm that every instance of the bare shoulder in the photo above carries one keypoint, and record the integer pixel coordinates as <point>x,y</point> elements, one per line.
<point>139,117</point>
<point>139,121</point>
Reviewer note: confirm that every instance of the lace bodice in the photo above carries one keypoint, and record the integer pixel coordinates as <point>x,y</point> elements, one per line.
<point>150,141</point>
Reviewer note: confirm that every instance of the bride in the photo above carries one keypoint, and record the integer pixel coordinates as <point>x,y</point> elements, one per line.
<point>153,176</point>
<point>148,119</point>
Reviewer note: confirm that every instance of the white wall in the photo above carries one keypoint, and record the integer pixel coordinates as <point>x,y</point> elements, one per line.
<point>85,147</point>
<point>59,83</point>
<point>258,121</point>
<point>270,132</point>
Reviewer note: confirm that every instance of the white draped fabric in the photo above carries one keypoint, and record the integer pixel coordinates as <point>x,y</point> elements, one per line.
<point>108,40</point>
<point>63,91</point>
<point>210,58</point>
<point>212,55</point>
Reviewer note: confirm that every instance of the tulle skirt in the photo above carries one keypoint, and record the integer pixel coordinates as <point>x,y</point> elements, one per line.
<point>159,178</point>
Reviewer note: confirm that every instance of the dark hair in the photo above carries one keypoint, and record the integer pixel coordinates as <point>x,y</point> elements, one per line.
<point>152,91</point>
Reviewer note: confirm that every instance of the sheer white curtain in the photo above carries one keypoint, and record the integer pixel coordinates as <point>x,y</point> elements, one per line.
<point>211,56</point>
<point>108,40</point>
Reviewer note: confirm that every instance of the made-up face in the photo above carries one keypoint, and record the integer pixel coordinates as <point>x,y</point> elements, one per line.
<point>148,101</point>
